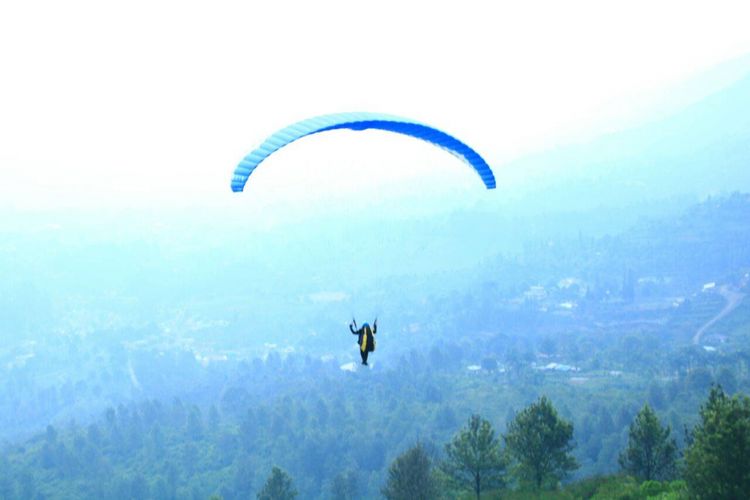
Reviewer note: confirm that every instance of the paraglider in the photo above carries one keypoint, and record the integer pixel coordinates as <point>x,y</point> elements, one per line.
<point>365,339</point>
<point>360,121</point>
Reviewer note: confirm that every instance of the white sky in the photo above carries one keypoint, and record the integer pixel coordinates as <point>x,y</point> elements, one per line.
<point>144,102</point>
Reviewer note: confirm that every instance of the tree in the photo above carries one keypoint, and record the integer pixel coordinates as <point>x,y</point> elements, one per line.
<point>445,418</point>
<point>410,476</point>
<point>699,379</point>
<point>278,487</point>
<point>194,427</point>
<point>605,424</point>
<point>371,457</point>
<point>727,380</point>
<point>651,453</point>
<point>243,476</point>
<point>344,486</point>
<point>540,442</point>
<point>139,486</point>
<point>156,445</point>
<point>51,435</point>
<point>656,396</point>
<point>474,459</point>
<point>160,488</point>
<point>718,457</point>
<point>214,419</point>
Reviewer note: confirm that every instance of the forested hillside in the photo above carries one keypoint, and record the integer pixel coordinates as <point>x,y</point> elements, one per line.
<point>600,326</point>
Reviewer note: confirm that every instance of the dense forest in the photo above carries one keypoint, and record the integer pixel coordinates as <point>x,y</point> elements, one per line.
<point>597,330</point>
<point>341,449</point>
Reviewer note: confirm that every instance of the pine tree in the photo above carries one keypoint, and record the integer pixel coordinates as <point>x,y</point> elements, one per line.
<point>718,457</point>
<point>474,459</point>
<point>540,443</point>
<point>651,453</point>
<point>410,476</point>
<point>344,486</point>
<point>278,487</point>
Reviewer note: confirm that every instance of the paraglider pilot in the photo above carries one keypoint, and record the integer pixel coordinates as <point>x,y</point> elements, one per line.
<point>366,337</point>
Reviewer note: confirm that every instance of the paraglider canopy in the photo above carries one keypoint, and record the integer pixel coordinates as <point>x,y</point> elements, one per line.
<point>360,121</point>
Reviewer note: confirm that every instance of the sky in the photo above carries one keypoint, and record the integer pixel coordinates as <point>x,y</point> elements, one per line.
<point>144,103</point>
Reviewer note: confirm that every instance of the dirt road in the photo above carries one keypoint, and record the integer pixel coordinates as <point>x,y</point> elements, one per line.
<point>733,299</point>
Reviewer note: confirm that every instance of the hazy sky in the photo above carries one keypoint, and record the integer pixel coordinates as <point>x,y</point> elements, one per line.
<point>144,102</point>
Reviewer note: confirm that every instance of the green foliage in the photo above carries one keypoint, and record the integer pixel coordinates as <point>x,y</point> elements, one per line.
<point>623,488</point>
<point>473,458</point>
<point>410,476</point>
<point>601,485</point>
<point>675,490</point>
<point>344,486</point>
<point>717,461</point>
<point>540,442</point>
<point>651,488</point>
<point>651,453</point>
<point>278,487</point>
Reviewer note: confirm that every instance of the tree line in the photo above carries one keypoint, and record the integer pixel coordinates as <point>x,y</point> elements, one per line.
<point>536,457</point>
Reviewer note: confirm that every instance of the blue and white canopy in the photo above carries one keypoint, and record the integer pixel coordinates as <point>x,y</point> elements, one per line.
<point>360,121</point>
